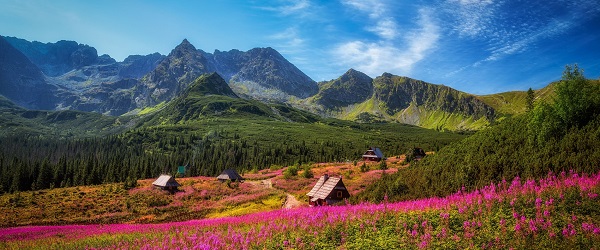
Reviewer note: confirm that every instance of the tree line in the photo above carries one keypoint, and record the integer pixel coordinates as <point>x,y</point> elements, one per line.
<point>34,162</point>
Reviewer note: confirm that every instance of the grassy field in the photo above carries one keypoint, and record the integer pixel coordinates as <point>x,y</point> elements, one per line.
<point>198,197</point>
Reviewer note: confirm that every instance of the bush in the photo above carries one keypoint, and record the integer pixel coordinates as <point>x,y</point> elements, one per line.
<point>129,183</point>
<point>383,165</point>
<point>307,173</point>
<point>275,167</point>
<point>364,168</point>
<point>290,172</point>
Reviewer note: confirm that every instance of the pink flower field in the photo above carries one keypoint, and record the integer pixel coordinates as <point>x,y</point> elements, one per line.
<point>558,212</point>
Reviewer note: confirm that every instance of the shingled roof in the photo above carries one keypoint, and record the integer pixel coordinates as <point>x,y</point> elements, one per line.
<point>165,181</point>
<point>230,174</point>
<point>378,154</point>
<point>323,187</point>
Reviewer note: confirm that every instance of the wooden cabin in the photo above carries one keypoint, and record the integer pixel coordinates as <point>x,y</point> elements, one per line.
<point>418,154</point>
<point>373,154</point>
<point>230,174</point>
<point>327,191</point>
<point>166,182</point>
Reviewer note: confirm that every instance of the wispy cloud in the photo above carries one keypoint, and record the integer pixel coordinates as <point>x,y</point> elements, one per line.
<point>375,8</point>
<point>289,7</point>
<point>505,33</point>
<point>385,28</point>
<point>382,22</point>
<point>474,16</point>
<point>289,40</point>
<point>376,57</point>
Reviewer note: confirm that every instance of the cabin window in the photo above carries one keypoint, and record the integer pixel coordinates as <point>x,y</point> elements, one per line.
<point>339,194</point>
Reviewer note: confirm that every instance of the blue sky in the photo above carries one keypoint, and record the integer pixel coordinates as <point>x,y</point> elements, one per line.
<point>477,46</point>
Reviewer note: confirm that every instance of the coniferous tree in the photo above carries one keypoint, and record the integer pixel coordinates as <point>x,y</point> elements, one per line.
<point>530,99</point>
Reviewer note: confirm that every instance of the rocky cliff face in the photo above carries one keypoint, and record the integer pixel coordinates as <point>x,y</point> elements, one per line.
<point>271,70</point>
<point>260,73</point>
<point>55,59</point>
<point>172,75</point>
<point>355,96</point>
<point>82,80</point>
<point>21,81</point>
<point>136,66</point>
<point>88,82</point>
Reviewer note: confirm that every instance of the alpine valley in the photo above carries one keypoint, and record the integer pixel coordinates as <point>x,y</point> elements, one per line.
<point>83,138</point>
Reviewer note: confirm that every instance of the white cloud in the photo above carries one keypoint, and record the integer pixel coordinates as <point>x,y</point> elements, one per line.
<point>290,7</point>
<point>385,28</point>
<point>383,24</point>
<point>473,16</point>
<point>374,8</point>
<point>289,40</point>
<point>376,57</point>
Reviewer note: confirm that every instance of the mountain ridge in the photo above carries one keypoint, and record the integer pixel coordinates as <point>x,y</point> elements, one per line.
<point>100,84</point>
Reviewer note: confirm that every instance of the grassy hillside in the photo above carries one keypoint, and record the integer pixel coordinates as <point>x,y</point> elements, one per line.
<point>16,121</point>
<point>198,197</point>
<point>514,102</point>
<point>556,137</point>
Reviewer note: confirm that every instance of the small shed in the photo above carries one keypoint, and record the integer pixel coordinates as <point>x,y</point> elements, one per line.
<point>327,191</point>
<point>373,154</point>
<point>418,154</point>
<point>230,174</point>
<point>166,182</point>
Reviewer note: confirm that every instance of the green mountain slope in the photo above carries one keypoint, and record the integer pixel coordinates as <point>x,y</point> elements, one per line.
<point>350,88</point>
<point>209,96</point>
<point>514,102</point>
<point>401,99</point>
<point>16,121</point>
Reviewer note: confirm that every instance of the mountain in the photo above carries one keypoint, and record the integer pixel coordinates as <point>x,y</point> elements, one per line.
<point>355,96</point>
<point>269,70</point>
<point>210,96</point>
<point>55,59</point>
<point>79,79</point>
<point>172,75</point>
<point>260,73</point>
<point>23,82</point>
<point>350,88</point>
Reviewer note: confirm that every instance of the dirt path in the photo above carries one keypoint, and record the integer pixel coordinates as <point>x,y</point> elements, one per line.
<point>290,202</point>
<point>267,183</point>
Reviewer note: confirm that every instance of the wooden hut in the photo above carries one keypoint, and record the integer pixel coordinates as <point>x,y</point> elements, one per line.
<point>230,174</point>
<point>418,154</point>
<point>328,190</point>
<point>166,182</point>
<point>373,154</point>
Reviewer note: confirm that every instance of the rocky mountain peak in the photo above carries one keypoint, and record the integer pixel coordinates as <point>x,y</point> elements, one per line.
<point>185,47</point>
<point>356,77</point>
